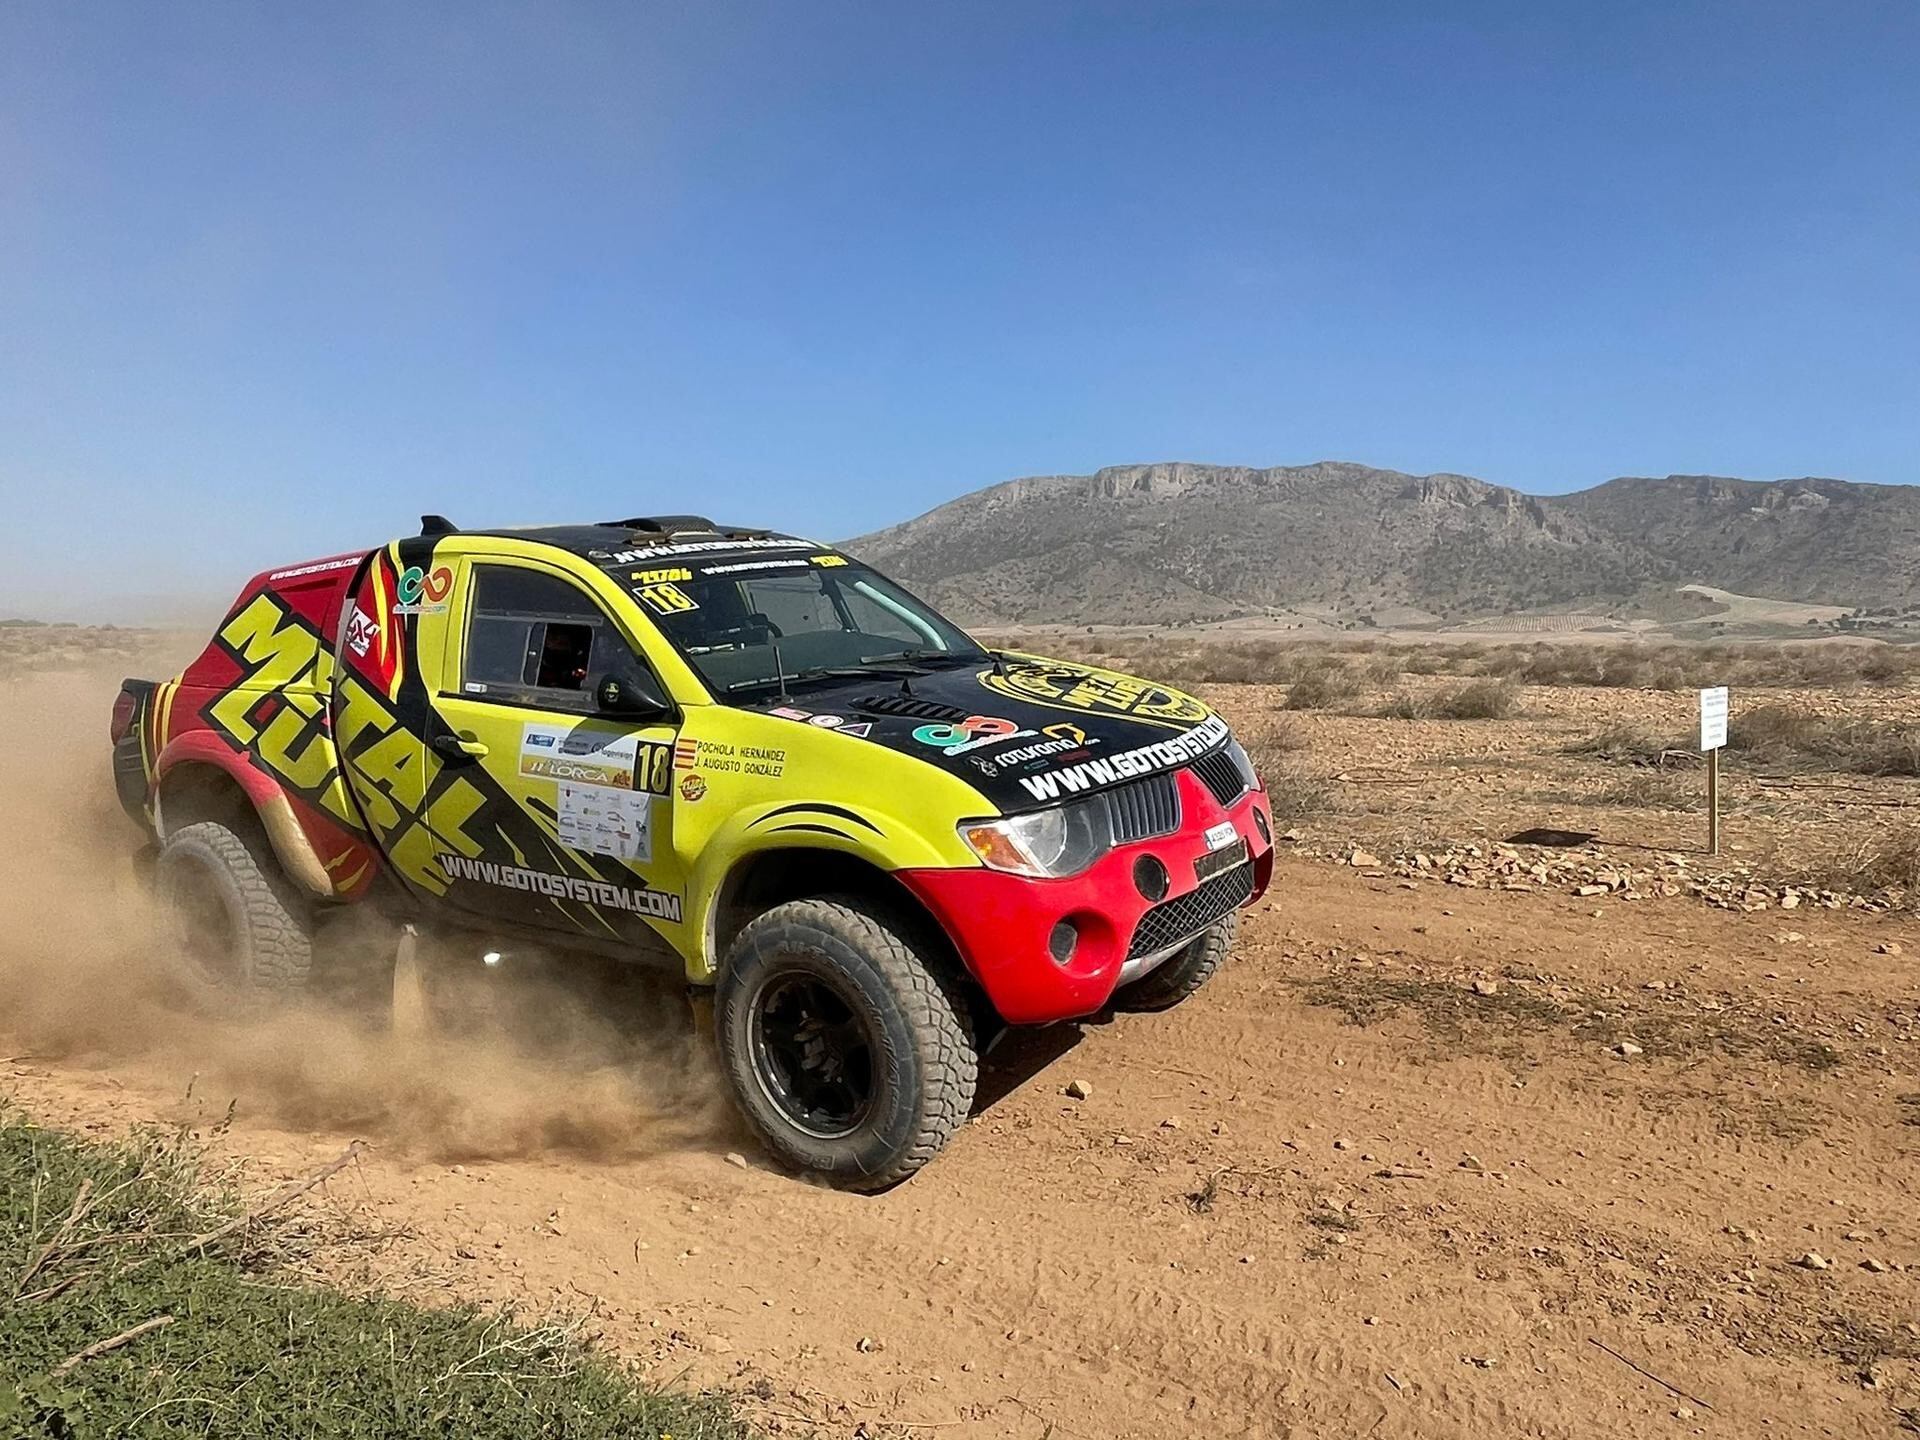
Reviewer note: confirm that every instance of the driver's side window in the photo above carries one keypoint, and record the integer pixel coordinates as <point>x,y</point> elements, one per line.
<point>535,639</point>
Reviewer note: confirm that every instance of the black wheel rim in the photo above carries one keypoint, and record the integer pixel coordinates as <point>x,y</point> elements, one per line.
<point>207,933</point>
<point>813,1055</point>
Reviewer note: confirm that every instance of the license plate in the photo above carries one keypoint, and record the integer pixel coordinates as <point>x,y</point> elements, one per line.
<point>1220,861</point>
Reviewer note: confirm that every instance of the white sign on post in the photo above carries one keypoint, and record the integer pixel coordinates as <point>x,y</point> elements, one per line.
<point>1713,718</point>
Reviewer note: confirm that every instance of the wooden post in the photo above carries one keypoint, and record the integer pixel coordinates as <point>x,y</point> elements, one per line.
<point>1713,801</point>
<point>1713,734</point>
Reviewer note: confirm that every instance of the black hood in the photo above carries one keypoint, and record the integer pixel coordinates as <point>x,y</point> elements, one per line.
<point>1026,733</point>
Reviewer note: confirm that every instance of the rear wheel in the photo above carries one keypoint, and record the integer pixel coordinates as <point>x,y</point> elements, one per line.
<point>241,938</point>
<point>1178,976</point>
<point>848,1051</point>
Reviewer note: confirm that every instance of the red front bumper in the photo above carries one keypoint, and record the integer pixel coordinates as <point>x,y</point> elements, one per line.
<point>1001,923</point>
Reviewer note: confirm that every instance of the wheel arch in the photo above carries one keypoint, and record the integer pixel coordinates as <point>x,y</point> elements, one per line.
<point>763,878</point>
<point>195,782</point>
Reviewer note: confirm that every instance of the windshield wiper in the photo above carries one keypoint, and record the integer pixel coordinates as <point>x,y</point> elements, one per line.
<point>828,672</point>
<point>920,657</point>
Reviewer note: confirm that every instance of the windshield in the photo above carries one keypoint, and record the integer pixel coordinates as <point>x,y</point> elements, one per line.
<point>748,625</point>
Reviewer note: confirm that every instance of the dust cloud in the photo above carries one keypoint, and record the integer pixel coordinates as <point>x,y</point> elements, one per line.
<point>560,1057</point>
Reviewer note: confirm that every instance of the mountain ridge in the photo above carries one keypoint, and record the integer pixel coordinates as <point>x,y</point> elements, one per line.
<point>1182,541</point>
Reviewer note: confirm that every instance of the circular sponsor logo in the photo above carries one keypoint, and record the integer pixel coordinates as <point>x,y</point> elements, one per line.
<point>692,787</point>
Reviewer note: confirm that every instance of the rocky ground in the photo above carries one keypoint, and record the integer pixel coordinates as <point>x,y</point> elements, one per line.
<point>1470,1138</point>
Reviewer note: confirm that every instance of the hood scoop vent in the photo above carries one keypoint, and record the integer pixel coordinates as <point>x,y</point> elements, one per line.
<point>909,706</point>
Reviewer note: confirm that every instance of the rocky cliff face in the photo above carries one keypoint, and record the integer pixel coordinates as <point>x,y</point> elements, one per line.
<point>1172,543</point>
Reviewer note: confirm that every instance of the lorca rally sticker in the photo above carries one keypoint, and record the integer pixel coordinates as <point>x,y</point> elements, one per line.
<point>593,755</point>
<point>1129,764</point>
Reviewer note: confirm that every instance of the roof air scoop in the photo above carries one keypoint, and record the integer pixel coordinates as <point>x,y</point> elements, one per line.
<point>663,524</point>
<point>437,525</point>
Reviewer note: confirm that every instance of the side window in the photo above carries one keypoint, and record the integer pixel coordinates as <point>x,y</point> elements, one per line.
<point>535,639</point>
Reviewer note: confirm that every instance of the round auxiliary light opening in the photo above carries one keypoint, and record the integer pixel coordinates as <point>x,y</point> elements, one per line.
<point>1064,940</point>
<point>1150,878</point>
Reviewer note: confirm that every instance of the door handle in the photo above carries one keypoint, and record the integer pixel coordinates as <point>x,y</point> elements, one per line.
<point>459,747</point>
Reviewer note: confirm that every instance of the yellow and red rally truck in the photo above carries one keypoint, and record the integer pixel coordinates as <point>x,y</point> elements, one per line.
<point>740,753</point>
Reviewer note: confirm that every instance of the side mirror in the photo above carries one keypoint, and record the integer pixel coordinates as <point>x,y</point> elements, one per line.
<point>631,696</point>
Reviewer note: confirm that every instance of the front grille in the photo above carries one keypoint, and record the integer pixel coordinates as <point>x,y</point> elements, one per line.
<point>1165,926</point>
<point>1221,774</point>
<point>1144,809</point>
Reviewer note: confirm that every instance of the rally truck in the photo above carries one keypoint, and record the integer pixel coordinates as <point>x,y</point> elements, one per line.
<point>873,842</point>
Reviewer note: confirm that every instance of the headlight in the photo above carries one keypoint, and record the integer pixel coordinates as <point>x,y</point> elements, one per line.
<point>1047,843</point>
<point>1243,764</point>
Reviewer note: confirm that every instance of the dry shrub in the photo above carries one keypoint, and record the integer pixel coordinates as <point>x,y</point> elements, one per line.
<point>1652,790</point>
<point>1295,796</point>
<point>1477,700</point>
<point>1632,745</point>
<point>1481,700</point>
<point>1779,735</point>
<point>1322,688</point>
<point>1679,666</point>
<point>1873,865</point>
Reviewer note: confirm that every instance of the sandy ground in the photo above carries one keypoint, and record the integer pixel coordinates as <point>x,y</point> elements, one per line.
<point>1388,1175</point>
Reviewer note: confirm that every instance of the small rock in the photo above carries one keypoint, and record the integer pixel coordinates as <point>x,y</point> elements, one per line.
<point>1079,1090</point>
<point>1856,1235</point>
<point>1172,1122</point>
<point>734,1157</point>
<point>1887,947</point>
<point>1486,987</point>
<point>1343,1144</point>
<point>1874,1267</point>
<point>1371,1320</point>
<point>1363,859</point>
<point>1473,1163</point>
<point>866,1345</point>
<point>1585,890</point>
<point>1481,1362</point>
<point>1626,1050</point>
<point>1814,1260</point>
<point>1246,1259</point>
<point>1683,1412</point>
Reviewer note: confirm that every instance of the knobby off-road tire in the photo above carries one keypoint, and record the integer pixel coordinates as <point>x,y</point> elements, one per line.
<point>1177,977</point>
<point>849,972</point>
<point>243,940</point>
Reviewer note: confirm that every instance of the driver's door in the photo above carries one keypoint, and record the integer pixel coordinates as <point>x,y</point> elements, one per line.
<point>577,834</point>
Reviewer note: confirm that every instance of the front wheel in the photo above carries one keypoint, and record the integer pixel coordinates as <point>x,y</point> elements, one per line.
<point>1179,975</point>
<point>848,1050</point>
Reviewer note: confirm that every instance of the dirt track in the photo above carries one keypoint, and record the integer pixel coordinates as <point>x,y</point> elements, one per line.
<point>1206,1245</point>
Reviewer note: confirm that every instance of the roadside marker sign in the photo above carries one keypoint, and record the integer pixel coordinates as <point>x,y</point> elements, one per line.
<point>1713,718</point>
<point>1713,737</point>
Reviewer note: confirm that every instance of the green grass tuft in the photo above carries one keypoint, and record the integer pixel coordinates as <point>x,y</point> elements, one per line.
<point>96,1240</point>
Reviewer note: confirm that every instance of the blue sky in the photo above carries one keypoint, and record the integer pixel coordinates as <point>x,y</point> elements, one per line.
<point>276,279</point>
